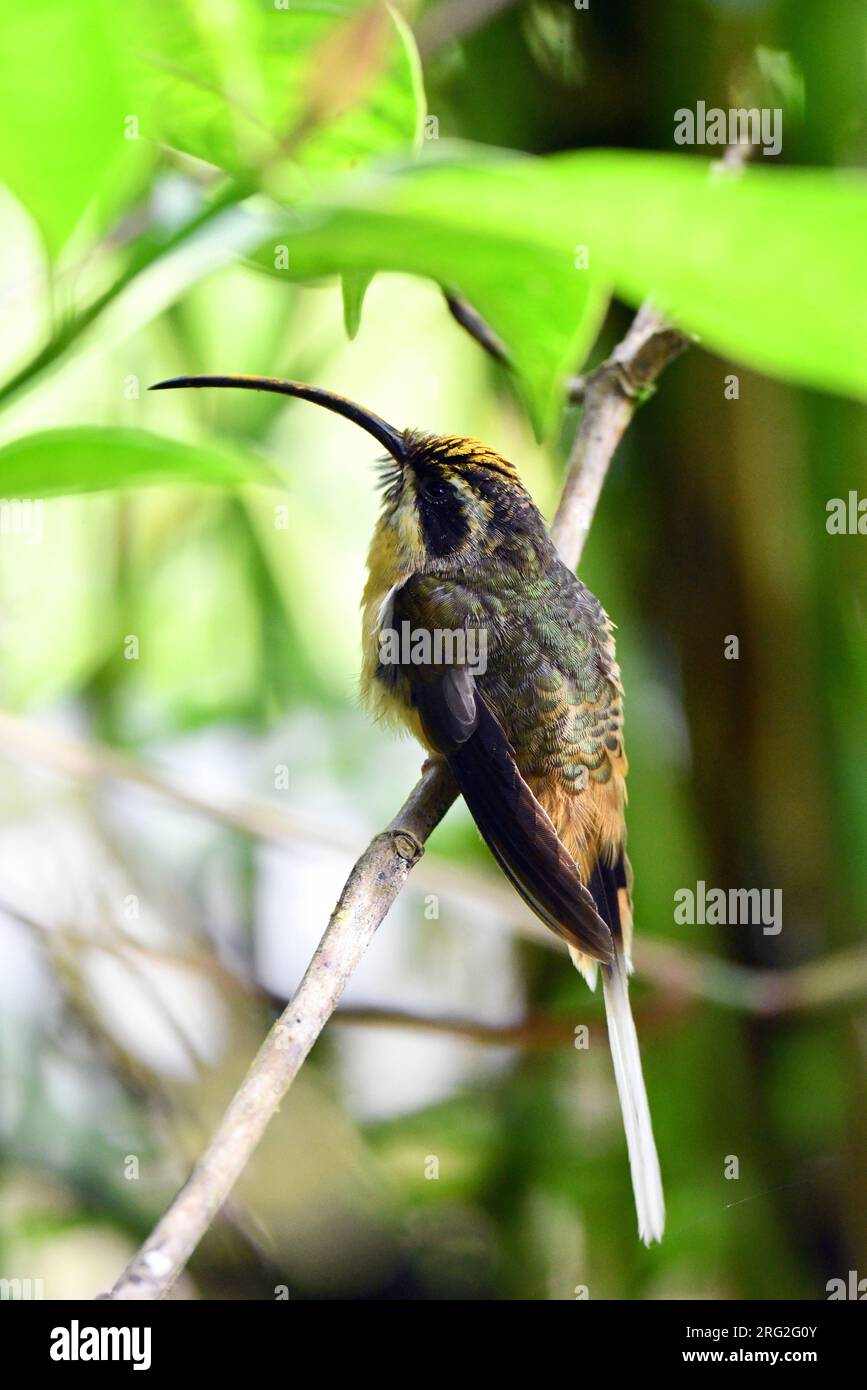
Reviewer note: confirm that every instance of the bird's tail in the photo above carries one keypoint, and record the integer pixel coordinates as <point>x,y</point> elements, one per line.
<point>643,1160</point>
<point>610,886</point>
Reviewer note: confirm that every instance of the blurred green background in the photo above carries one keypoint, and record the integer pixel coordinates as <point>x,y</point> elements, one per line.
<point>191,188</point>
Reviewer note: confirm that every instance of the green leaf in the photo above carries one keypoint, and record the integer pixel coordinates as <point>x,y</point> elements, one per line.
<point>90,459</point>
<point>432,220</point>
<point>260,90</point>
<point>354,286</point>
<point>63,103</point>
<point>766,266</point>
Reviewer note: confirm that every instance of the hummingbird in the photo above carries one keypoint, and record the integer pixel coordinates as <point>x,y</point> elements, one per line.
<point>528,716</point>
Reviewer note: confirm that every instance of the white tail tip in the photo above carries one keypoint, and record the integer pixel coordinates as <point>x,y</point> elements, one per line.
<point>643,1160</point>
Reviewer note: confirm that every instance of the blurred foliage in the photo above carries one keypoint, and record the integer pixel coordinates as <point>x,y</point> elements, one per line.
<point>246,87</point>
<point>62,462</point>
<point>239,187</point>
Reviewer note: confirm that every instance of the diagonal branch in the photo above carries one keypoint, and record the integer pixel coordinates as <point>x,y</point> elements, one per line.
<point>611,395</point>
<point>371,888</point>
<point>463,313</point>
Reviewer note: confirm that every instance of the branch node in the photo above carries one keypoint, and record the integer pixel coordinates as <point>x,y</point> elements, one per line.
<point>407,846</point>
<point>628,381</point>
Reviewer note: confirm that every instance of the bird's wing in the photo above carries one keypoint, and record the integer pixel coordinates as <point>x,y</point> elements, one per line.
<point>571,741</point>
<point>459,723</point>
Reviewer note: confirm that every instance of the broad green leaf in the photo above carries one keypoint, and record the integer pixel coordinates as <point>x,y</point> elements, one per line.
<point>259,90</point>
<point>767,266</point>
<point>432,220</point>
<point>63,106</point>
<point>88,458</point>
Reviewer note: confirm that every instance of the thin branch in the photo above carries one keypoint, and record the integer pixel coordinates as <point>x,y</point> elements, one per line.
<point>463,313</point>
<point>537,1032</point>
<point>99,765</point>
<point>31,743</point>
<point>620,384</point>
<point>682,975</point>
<point>835,979</point>
<point>143,257</point>
<point>372,886</point>
<point>611,395</point>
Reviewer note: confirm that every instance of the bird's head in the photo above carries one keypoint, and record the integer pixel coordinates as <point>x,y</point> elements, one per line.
<point>446,499</point>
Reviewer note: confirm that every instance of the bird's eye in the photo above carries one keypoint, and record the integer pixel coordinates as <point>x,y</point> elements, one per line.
<point>438,489</point>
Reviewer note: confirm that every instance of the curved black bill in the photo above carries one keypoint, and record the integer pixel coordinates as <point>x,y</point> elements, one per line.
<point>390,438</point>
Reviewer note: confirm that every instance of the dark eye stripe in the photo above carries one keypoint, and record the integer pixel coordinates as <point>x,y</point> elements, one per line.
<point>443,520</point>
